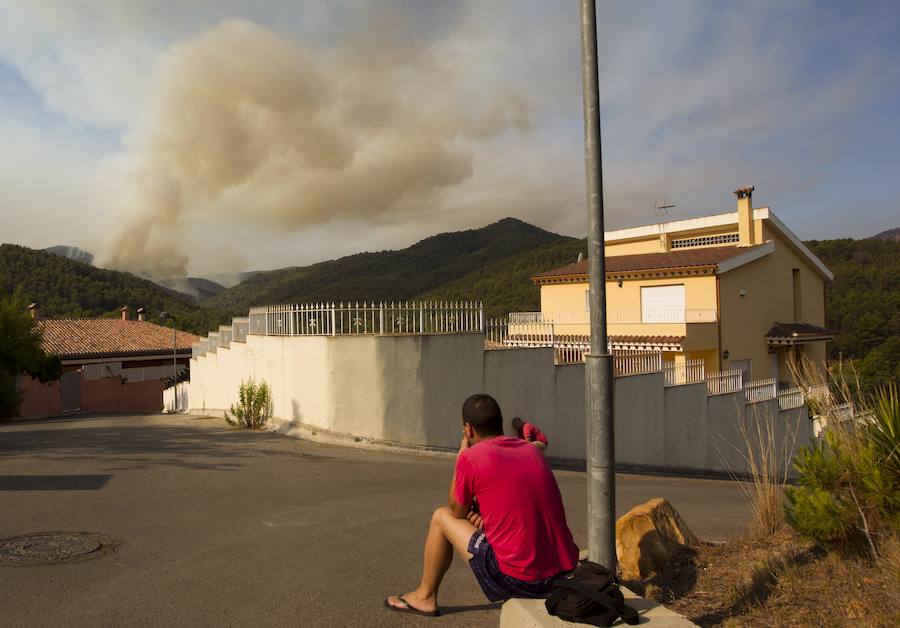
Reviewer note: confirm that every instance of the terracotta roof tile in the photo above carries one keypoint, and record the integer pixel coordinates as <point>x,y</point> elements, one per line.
<point>651,340</point>
<point>702,257</point>
<point>69,337</point>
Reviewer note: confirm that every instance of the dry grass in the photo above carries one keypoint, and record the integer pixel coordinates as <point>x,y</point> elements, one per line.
<point>769,462</point>
<point>779,580</point>
<point>765,467</point>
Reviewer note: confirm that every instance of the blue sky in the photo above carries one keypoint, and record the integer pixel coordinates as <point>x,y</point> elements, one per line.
<point>230,135</point>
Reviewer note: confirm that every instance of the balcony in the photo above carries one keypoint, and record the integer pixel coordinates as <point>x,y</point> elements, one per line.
<point>624,317</point>
<point>696,325</point>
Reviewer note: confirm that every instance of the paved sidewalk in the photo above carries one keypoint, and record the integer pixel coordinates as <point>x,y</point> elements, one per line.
<point>236,528</point>
<point>533,614</point>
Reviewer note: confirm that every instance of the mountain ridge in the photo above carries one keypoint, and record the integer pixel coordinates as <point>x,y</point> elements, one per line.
<point>388,275</point>
<point>66,287</point>
<point>889,234</point>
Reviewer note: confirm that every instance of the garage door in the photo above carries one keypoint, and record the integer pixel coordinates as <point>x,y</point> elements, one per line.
<point>662,304</point>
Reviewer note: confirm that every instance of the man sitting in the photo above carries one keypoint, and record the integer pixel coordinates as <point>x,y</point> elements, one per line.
<point>518,543</point>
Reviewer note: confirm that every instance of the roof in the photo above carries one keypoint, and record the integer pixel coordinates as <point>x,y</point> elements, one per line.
<point>797,333</point>
<point>660,343</point>
<point>709,258</point>
<point>644,339</point>
<point>715,221</point>
<point>107,337</point>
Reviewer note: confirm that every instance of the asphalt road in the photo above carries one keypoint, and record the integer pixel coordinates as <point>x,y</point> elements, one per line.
<point>237,528</point>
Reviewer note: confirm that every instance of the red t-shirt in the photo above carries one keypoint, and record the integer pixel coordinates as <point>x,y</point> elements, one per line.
<point>532,432</point>
<point>520,504</point>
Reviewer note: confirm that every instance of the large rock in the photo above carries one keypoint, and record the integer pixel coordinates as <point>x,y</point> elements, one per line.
<point>647,535</point>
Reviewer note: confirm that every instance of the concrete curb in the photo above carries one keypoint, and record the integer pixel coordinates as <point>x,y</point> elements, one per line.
<point>519,613</point>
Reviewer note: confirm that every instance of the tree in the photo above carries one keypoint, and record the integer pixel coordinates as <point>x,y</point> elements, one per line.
<point>20,352</point>
<point>848,491</point>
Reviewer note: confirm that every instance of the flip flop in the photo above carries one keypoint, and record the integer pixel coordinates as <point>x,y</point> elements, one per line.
<point>409,608</point>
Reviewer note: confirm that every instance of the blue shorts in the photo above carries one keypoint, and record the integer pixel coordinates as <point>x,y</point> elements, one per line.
<point>497,585</point>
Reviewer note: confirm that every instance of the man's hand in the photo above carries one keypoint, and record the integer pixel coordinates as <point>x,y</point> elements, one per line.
<point>464,443</point>
<point>475,519</point>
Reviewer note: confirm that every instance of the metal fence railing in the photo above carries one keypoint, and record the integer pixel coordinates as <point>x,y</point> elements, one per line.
<point>339,319</point>
<point>687,372</point>
<point>570,351</point>
<point>500,333</point>
<point>637,363</point>
<point>723,382</point>
<point>790,398</point>
<point>240,327</point>
<point>761,390</point>
<point>225,335</point>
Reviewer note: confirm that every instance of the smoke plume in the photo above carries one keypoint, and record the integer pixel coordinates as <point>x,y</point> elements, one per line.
<point>248,127</point>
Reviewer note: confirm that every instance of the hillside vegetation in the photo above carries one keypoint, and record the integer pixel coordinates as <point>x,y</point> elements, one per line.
<point>402,275</point>
<point>65,287</point>
<point>863,304</point>
<point>493,264</point>
<point>506,286</point>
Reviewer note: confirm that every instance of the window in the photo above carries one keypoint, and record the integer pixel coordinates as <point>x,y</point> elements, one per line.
<point>662,304</point>
<point>587,300</point>
<point>798,313</point>
<point>725,238</point>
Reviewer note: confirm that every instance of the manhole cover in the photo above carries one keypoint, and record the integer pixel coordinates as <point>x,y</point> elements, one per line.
<point>53,547</point>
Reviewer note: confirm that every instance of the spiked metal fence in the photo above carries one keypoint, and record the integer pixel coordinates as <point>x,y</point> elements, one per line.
<point>338,319</point>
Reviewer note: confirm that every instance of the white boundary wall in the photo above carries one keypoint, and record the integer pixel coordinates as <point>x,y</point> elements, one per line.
<point>409,390</point>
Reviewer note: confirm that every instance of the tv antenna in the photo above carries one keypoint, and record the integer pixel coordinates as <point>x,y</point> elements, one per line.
<point>662,209</point>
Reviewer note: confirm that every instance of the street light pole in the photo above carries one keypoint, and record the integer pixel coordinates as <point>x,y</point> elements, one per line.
<point>601,465</point>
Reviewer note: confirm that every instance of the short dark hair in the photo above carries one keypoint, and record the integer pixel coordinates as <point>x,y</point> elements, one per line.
<point>483,413</point>
<point>518,423</point>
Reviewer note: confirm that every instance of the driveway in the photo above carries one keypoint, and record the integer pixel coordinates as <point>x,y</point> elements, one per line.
<point>234,528</point>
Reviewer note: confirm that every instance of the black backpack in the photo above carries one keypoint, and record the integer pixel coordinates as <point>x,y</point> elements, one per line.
<point>590,595</point>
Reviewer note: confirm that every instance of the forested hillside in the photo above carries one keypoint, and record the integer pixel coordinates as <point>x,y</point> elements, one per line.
<point>506,286</point>
<point>863,304</point>
<point>493,264</point>
<point>65,287</point>
<point>388,275</point>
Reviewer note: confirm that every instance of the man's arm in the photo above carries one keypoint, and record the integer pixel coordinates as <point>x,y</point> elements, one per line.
<point>460,511</point>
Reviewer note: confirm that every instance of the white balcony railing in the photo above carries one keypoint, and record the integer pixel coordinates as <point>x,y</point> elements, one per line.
<point>615,316</point>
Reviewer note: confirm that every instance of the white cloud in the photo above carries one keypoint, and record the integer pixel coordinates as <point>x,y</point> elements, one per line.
<point>697,98</point>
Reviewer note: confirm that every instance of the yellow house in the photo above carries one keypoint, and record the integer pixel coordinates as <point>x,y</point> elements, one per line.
<point>738,290</point>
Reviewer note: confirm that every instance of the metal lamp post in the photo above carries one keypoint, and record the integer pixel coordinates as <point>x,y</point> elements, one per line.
<point>601,465</point>
<point>164,316</point>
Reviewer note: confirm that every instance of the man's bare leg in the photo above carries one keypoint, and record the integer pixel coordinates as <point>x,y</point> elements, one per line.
<point>445,533</point>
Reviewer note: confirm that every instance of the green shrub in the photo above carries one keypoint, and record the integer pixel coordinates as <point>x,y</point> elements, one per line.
<point>253,408</point>
<point>848,494</point>
<point>20,352</point>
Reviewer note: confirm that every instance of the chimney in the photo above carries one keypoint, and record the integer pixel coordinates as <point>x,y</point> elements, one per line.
<point>35,310</point>
<point>140,313</point>
<point>745,216</point>
<point>125,312</point>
